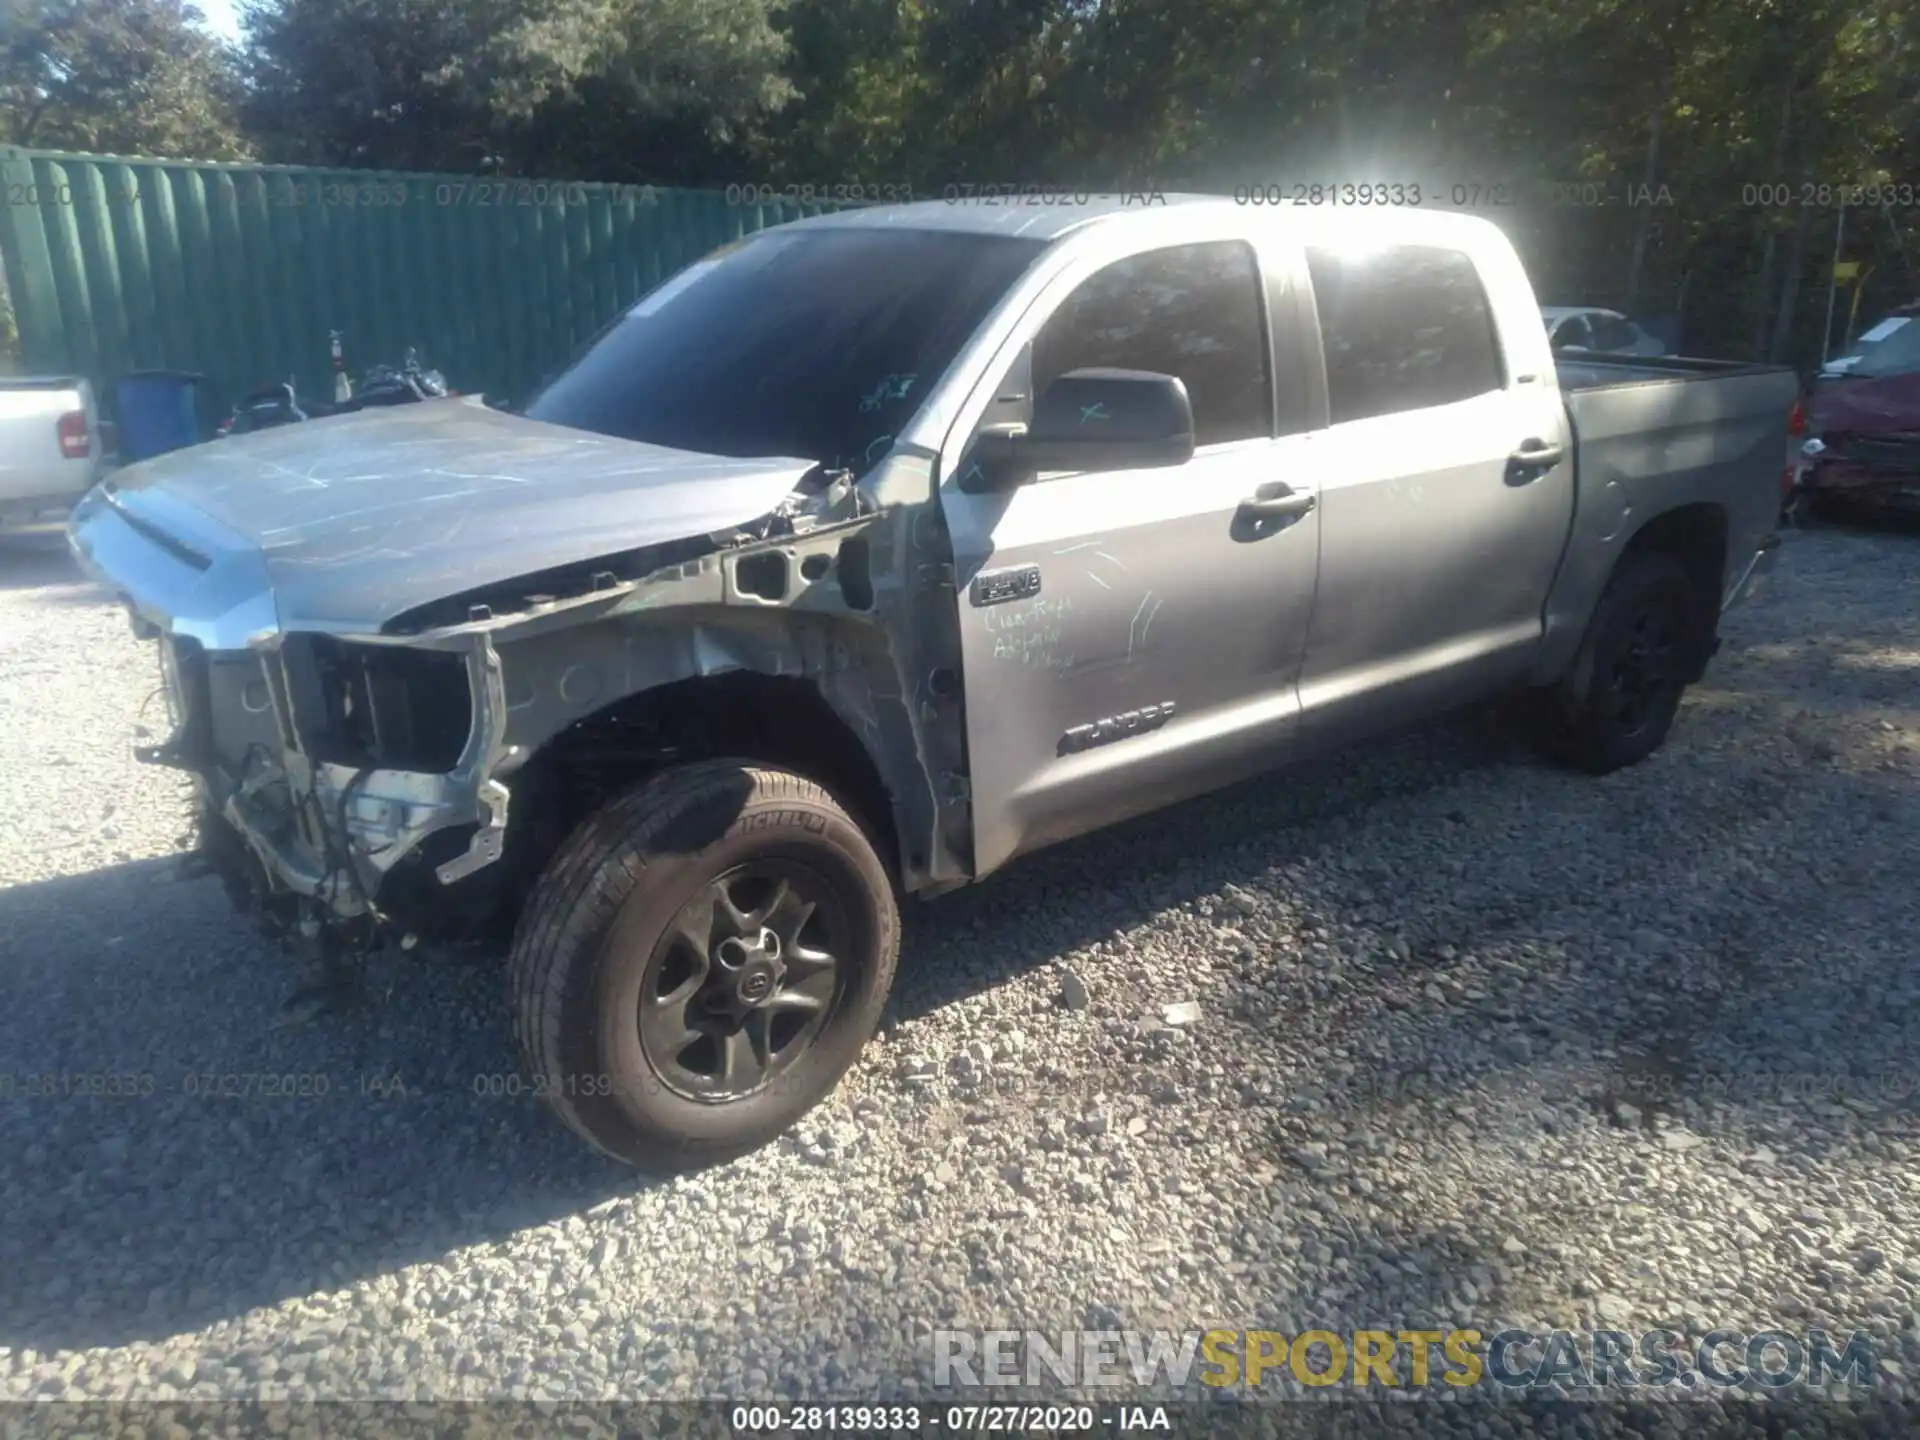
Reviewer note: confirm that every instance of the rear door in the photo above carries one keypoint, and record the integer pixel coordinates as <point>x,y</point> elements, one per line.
<point>1132,637</point>
<point>1447,490</point>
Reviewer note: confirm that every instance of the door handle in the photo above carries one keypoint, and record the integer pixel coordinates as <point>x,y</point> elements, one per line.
<point>1277,500</point>
<point>1538,453</point>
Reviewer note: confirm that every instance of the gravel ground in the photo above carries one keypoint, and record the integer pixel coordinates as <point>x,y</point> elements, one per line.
<point>1472,1041</point>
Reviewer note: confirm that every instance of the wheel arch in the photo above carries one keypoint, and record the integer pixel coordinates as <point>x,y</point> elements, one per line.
<point>786,721</point>
<point>1694,533</point>
<point>1696,536</point>
<point>790,721</point>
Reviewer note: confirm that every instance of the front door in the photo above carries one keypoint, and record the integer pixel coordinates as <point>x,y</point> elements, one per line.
<point>1133,637</point>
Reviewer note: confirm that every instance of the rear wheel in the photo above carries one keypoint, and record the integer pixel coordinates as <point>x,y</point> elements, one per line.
<point>701,962</point>
<point>1619,700</point>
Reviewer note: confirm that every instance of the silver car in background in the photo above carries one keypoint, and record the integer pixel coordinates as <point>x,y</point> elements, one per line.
<point>1603,332</point>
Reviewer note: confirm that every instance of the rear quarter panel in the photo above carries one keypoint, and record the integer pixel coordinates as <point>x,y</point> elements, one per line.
<point>1647,444</point>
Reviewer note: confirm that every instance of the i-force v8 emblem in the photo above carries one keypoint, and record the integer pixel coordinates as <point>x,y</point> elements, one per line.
<point>997,587</point>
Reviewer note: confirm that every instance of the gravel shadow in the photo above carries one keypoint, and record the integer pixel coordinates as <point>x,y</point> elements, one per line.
<point>1864,520</point>
<point>157,1181</point>
<point>1755,1021</point>
<point>40,561</point>
<point>1709,988</point>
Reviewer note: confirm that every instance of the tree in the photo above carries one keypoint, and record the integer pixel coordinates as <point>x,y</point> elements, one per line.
<point>130,77</point>
<point>611,89</point>
<point>1527,107</point>
<point>362,83</point>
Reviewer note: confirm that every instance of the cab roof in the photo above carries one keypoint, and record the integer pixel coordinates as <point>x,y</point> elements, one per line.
<point>1012,216</point>
<point>991,214</point>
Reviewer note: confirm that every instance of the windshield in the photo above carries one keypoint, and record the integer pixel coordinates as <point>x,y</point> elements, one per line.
<point>819,344</point>
<point>1890,348</point>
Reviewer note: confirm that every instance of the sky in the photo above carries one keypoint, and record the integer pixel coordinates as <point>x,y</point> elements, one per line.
<point>222,17</point>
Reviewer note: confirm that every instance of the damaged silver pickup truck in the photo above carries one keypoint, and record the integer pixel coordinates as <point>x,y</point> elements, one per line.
<point>876,550</point>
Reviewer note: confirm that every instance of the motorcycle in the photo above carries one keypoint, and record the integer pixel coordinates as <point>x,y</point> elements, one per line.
<point>274,405</point>
<point>263,409</point>
<point>385,385</point>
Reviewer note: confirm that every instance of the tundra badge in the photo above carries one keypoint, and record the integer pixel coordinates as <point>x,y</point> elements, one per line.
<point>1116,727</point>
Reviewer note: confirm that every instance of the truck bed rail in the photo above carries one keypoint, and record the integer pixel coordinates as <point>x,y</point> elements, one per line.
<point>1598,372</point>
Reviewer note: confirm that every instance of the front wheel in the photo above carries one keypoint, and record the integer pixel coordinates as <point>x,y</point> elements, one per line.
<point>1619,701</point>
<point>701,962</point>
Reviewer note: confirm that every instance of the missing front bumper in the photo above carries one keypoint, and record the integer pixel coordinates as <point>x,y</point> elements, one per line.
<point>325,833</point>
<point>337,842</point>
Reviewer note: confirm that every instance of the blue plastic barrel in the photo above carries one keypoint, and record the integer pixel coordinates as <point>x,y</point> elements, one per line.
<point>158,412</point>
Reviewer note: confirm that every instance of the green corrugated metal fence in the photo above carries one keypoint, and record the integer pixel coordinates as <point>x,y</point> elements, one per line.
<point>240,271</point>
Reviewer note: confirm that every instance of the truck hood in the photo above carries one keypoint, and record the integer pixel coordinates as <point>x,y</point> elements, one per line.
<point>353,520</point>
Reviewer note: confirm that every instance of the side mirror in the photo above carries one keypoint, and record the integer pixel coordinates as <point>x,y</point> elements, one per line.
<point>1091,420</point>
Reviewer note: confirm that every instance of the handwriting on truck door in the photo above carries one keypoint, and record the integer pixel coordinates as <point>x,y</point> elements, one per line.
<point>1031,635</point>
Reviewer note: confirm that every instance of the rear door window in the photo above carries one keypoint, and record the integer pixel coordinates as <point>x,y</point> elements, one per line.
<point>1403,328</point>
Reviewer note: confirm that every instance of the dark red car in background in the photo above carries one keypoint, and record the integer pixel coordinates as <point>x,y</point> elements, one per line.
<point>1861,449</point>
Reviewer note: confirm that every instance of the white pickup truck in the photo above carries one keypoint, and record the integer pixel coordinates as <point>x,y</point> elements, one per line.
<point>878,550</point>
<point>50,451</point>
